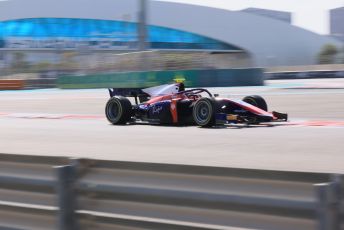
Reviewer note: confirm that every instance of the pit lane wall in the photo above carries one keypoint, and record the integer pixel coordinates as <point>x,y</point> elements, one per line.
<point>193,78</point>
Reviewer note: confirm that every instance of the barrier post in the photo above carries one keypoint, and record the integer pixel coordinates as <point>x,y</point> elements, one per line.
<point>66,196</point>
<point>338,180</point>
<point>328,206</point>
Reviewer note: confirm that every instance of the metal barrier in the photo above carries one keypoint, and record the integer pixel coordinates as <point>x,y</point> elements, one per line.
<point>215,197</point>
<point>27,191</point>
<point>95,194</point>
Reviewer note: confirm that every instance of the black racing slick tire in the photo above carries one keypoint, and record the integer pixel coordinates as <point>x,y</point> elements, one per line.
<point>204,112</point>
<point>257,101</point>
<point>118,110</point>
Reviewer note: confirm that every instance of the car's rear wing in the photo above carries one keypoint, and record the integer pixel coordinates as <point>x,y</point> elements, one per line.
<point>146,93</point>
<point>137,93</point>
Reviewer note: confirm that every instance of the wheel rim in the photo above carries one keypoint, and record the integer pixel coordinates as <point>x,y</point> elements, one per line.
<point>203,112</point>
<point>114,111</point>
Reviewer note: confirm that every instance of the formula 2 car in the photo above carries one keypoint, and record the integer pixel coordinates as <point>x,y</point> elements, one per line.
<point>171,104</point>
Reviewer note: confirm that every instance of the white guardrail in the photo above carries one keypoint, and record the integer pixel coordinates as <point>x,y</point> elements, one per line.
<point>76,194</point>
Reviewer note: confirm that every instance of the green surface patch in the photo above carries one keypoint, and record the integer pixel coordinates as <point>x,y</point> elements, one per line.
<point>193,78</point>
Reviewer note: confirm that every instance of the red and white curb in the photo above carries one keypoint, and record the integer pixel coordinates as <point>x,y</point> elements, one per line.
<point>317,123</point>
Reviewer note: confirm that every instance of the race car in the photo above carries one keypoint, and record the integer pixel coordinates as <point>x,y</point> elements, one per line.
<point>171,104</point>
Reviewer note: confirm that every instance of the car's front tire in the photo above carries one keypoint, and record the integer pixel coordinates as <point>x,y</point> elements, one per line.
<point>118,110</point>
<point>257,101</point>
<point>204,112</point>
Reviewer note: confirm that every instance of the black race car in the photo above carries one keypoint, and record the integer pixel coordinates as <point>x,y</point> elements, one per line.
<point>172,104</point>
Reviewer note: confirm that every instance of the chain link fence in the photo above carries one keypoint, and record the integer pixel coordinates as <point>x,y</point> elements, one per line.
<point>35,64</point>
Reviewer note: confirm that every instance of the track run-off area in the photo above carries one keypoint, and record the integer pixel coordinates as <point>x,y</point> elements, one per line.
<point>72,123</point>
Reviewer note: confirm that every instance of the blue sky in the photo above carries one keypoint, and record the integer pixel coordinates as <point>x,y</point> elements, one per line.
<point>309,14</point>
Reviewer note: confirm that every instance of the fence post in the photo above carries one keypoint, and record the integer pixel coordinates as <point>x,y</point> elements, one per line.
<point>66,195</point>
<point>328,205</point>
<point>338,180</point>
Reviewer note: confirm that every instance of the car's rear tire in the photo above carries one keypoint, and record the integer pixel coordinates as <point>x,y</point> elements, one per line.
<point>204,112</point>
<point>257,101</point>
<point>118,110</point>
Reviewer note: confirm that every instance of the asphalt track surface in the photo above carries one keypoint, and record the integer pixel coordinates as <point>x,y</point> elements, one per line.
<point>72,123</point>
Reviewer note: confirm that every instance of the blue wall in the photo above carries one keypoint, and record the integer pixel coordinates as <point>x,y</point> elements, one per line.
<point>120,33</point>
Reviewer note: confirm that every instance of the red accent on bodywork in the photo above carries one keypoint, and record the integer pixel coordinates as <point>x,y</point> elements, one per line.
<point>250,107</point>
<point>173,109</point>
<point>155,99</point>
<point>166,98</point>
<point>174,98</point>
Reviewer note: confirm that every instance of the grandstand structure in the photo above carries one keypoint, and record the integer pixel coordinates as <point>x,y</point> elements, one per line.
<point>99,31</point>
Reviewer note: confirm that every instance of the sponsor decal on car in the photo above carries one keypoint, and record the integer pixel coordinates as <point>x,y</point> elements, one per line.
<point>157,109</point>
<point>232,117</point>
